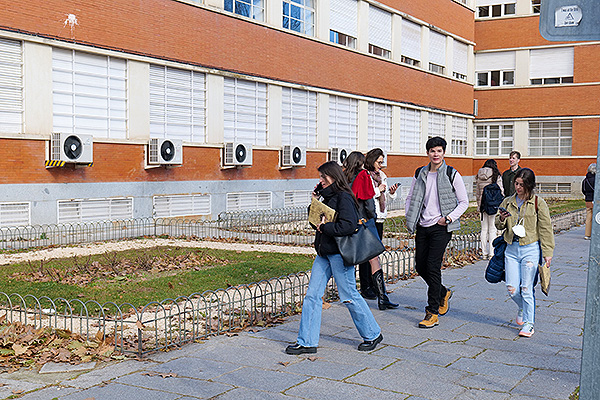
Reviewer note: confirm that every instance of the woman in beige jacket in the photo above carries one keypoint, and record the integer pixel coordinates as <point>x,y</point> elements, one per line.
<point>487,174</point>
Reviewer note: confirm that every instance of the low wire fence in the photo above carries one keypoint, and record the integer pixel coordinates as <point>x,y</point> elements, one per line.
<point>176,321</point>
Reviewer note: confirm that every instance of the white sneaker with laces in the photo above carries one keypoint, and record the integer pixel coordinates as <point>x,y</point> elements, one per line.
<point>527,330</point>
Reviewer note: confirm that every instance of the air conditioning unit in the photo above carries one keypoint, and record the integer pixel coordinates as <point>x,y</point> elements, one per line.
<point>237,154</point>
<point>338,154</point>
<point>165,151</point>
<point>72,148</point>
<point>293,156</point>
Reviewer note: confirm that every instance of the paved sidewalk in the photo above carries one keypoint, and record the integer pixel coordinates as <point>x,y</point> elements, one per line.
<point>475,353</point>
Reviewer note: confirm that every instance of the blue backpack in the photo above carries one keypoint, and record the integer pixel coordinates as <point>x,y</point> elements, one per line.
<point>491,199</point>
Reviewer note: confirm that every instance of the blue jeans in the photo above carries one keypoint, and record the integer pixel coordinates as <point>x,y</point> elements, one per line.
<point>521,263</point>
<point>345,278</point>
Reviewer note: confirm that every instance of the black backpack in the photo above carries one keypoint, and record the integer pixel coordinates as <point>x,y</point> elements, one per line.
<point>491,199</point>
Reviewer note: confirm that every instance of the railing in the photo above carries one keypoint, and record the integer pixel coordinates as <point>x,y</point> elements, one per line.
<point>173,322</point>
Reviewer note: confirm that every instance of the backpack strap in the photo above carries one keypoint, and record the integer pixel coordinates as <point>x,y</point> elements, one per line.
<point>536,206</point>
<point>450,171</point>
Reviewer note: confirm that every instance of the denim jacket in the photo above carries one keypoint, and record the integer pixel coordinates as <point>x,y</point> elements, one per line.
<point>538,225</point>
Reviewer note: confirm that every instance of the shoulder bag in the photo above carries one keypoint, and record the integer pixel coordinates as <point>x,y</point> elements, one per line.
<point>359,247</point>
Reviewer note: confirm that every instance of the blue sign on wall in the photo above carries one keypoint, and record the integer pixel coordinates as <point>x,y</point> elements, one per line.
<point>570,20</point>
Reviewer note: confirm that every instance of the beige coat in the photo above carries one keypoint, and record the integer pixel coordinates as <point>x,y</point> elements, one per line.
<point>484,178</point>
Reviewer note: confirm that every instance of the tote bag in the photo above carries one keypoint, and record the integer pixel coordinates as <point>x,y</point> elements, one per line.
<point>360,246</point>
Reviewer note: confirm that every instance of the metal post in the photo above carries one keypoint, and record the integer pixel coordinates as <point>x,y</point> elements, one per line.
<point>590,360</point>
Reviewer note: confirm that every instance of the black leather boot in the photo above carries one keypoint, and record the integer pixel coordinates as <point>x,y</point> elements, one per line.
<point>383,302</point>
<point>366,282</point>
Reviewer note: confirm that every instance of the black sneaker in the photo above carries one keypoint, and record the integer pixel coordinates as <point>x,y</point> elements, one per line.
<point>297,349</point>
<point>369,345</point>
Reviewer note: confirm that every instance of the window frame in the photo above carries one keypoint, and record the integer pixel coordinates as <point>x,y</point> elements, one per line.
<point>307,24</point>
<point>503,138</point>
<point>546,128</point>
<point>232,7</point>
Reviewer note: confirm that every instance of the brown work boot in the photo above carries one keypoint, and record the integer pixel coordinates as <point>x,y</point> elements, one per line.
<point>444,302</point>
<point>429,321</point>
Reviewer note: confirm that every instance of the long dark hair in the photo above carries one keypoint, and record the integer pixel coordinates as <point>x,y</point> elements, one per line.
<point>372,156</point>
<point>353,164</point>
<point>334,171</point>
<point>528,181</point>
<point>494,166</point>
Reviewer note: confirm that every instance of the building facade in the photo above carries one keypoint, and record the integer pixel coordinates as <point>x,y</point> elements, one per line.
<point>290,83</point>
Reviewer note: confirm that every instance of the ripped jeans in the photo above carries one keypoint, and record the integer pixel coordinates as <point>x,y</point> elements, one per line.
<point>521,264</point>
<point>345,278</point>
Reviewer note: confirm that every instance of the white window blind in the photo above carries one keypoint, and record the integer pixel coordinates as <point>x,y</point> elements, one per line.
<point>85,210</point>
<point>437,48</point>
<point>437,125</point>
<point>380,28</point>
<point>299,117</point>
<point>245,118</point>
<point>459,135</point>
<point>89,94</point>
<point>344,17</point>
<point>496,61</point>
<point>177,104</point>
<point>11,86</point>
<point>15,214</point>
<point>551,63</point>
<point>181,205</point>
<point>343,122</point>
<point>411,40</point>
<point>493,2</point>
<point>410,130</point>
<point>249,201</point>
<point>460,57</point>
<point>296,198</point>
<point>380,126</point>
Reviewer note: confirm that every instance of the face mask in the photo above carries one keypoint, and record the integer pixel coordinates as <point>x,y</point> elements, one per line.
<point>519,229</point>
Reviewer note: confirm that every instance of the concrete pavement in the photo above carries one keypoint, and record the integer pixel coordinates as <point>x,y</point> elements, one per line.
<point>474,353</point>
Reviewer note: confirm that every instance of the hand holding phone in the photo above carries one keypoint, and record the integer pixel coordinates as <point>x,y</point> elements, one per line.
<point>504,211</point>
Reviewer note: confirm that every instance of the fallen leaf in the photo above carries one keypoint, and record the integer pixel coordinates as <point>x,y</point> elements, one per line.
<point>19,349</point>
<point>312,358</point>
<point>326,305</point>
<point>284,363</point>
<point>17,391</point>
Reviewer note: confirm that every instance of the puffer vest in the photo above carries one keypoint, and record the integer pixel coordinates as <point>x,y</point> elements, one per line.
<point>446,197</point>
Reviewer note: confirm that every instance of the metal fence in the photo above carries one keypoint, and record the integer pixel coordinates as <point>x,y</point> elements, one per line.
<point>173,322</point>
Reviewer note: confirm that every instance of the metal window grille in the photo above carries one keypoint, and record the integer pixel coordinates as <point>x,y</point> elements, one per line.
<point>83,210</point>
<point>15,214</point>
<point>249,201</point>
<point>181,205</point>
<point>11,82</point>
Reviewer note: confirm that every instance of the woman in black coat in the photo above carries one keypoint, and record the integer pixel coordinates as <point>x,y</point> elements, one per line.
<point>587,187</point>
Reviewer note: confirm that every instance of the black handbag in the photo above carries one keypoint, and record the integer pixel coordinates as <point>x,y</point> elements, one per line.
<point>359,247</point>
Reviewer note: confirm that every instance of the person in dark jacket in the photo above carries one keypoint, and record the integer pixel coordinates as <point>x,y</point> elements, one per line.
<point>333,188</point>
<point>587,187</point>
<point>508,176</point>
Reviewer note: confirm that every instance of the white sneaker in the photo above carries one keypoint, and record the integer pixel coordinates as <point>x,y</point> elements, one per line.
<point>527,330</point>
<point>587,237</point>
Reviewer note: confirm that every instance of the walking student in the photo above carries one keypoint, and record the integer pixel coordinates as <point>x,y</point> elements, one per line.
<point>435,202</point>
<point>587,187</point>
<point>487,175</point>
<point>333,188</point>
<point>508,176</point>
<point>370,273</point>
<point>527,229</point>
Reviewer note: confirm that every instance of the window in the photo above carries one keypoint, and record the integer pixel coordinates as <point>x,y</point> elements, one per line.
<point>536,6</point>
<point>180,205</point>
<point>15,214</point>
<point>299,16</point>
<point>494,140</point>
<point>177,104</point>
<point>296,198</point>
<point>11,86</point>
<point>299,117</point>
<point>380,126</point>
<point>551,66</point>
<point>343,122</point>
<point>343,21</point>
<point>248,8</point>
<point>460,60</point>
<point>495,68</point>
<point>459,136</point>
<point>410,130</point>
<point>550,138</point>
<point>85,210</point>
<point>436,124</point>
<point>554,188</point>
<point>437,52</point>
<point>89,94</point>
<point>245,114</point>
<point>380,32</point>
<point>249,201</point>
<point>490,8</point>
<point>410,43</point>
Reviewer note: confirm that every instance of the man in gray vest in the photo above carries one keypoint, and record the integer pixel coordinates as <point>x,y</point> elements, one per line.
<point>435,202</point>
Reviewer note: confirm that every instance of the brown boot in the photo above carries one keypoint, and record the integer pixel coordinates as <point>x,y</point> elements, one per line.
<point>444,303</point>
<point>429,321</point>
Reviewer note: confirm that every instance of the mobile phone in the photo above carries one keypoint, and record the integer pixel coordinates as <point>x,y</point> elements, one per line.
<point>318,188</point>
<point>504,210</point>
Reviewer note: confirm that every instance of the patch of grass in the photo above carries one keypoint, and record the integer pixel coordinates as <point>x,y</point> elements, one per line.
<point>131,277</point>
<point>575,394</point>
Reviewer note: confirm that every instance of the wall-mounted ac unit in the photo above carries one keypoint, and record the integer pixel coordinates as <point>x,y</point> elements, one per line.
<point>338,154</point>
<point>72,148</point>
<point>237,154</point>
<point>165,151</point>
<point>293,156</point>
